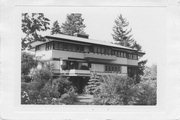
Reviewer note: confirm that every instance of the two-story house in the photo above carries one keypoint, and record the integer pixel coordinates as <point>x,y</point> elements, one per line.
<point>81,56</point>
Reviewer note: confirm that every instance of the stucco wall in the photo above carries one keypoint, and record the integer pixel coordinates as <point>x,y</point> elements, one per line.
<point>44,55</point>
<point>124,69</point>
<point>120,61</point>
<point>66,54</point>
<point>132,62</point>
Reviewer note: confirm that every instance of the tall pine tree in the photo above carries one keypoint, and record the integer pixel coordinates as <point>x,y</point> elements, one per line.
<point>123,36</point>
<point>73,24</point>
<point>56,29</point>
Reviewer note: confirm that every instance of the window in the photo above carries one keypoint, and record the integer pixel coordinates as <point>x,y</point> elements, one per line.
<point>124,55</point>
<point>98,49</point>
<point>102,50</point>
<point>48,46</point>
<point>65,46</point>
<point>121,54</point>
<point>37,48</point>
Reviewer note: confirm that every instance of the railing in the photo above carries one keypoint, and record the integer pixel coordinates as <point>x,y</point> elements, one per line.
<point>75,72</point>
<point>72,72</point>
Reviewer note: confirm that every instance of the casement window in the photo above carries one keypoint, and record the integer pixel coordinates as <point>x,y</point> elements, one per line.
<point>124,55</point>
<point>113,68</point>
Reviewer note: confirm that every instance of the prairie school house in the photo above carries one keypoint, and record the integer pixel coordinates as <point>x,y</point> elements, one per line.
<point>80,56</point>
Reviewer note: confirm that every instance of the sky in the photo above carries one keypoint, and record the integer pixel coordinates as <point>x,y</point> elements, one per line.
<point>148,24</point>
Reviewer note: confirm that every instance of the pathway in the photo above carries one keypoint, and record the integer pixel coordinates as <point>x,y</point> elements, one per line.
<point>84,99</point>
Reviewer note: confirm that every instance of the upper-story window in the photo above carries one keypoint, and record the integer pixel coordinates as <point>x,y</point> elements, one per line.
<point>68,47</point>
<point>49,46</point>
<point>113,68</point>
<point>40,47</point>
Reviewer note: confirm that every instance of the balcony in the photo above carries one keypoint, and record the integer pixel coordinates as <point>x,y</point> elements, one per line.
<point>75,72</point>
<point>99,56</point>
<point>72,72</point>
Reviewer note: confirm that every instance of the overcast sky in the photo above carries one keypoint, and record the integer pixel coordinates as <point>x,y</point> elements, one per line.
<point>148,24</point>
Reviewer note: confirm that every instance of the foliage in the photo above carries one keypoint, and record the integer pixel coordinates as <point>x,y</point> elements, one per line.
<point>27,62</point>
<point>43,89</point>
<point>41,77</point>
<point>32,25</point>
<point>26,78</point>
<point>56,29</point>
<point>73,24</point>
<point>62,85</point>
<point>145,93</point>
<point>140,70</point>
<point>150,73</point>
<point>123,36</point>
<point>121,90</point>
<point>93,84</point>
<point>121,33</point>
<point>35,89</point>
<point>114,90</point>
<point>69,97</point>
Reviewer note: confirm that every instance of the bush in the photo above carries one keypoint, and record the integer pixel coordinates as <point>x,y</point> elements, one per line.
<point>62,85</point>
<point>114,90</point>
<point>27,62</point>
<point>69,98</point>
<point>145,93</point>
<point>25,78</point>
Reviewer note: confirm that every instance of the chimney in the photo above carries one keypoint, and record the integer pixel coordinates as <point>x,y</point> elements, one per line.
<point>82,35</point>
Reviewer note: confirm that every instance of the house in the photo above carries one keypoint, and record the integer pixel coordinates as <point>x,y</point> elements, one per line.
<point>80,56</point>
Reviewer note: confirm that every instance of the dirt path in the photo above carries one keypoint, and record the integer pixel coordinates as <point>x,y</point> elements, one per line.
<point>84,99</point>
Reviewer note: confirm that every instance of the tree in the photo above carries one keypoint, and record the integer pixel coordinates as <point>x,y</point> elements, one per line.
<point>122,35</point>
<point>73,24</point>
<point>140,70</point>
<point>32,25</point>
<point>56,29</point>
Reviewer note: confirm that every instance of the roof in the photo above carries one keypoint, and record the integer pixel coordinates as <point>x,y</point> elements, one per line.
<point>85,40</point>
<point>82,40</point>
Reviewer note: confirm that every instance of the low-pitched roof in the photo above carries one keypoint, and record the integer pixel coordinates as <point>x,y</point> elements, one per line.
<point>82,40</point>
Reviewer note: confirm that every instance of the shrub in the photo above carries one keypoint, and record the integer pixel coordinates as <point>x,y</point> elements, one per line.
<point>62,85</point>
<point>145,93</point>
<point>25,78</point>
<point>69,98</point>
<point>34,89</point>
<point>114,90</point>
<point>27,62</point>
